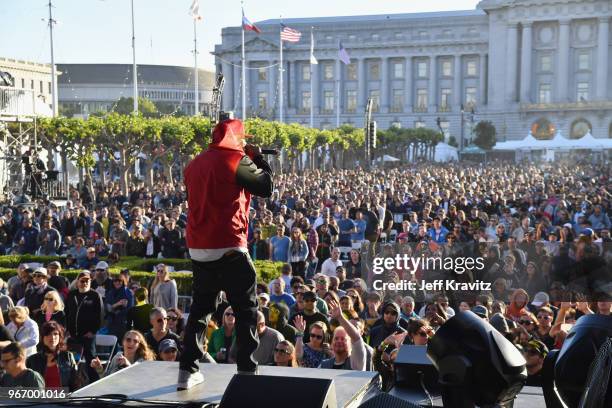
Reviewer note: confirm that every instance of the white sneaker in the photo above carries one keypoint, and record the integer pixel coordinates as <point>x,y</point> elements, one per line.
<point>187,380</point>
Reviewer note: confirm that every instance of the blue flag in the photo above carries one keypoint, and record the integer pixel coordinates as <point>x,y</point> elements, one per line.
<point>343,55</point>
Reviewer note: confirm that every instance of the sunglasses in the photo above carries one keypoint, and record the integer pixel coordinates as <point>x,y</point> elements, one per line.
<point>49,299</point>
<point>162,320</point>
<point>230,314</point>
<point>525,322</point>
<point>309,300</point>
<point>283,351</point>
<point>316,336</point>
<point>173,318</point>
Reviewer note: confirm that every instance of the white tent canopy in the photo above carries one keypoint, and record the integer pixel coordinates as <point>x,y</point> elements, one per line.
<point>557,143</point>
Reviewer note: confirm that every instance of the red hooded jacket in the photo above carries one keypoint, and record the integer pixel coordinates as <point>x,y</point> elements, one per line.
<point>219,183</point>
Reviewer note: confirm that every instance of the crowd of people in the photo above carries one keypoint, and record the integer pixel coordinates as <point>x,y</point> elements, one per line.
<point>542,233</point>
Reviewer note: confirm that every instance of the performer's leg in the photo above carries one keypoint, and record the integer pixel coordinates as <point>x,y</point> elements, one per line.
<point>240,286</point>
<point>205,291</point>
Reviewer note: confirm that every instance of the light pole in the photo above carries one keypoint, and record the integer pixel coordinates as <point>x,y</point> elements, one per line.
<point>462,130</point>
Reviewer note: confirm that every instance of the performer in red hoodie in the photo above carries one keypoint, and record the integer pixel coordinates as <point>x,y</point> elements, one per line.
<point>219,183</point>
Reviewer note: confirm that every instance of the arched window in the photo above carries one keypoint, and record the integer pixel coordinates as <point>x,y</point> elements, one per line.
<point>543,129</point>
<point>580,127</point>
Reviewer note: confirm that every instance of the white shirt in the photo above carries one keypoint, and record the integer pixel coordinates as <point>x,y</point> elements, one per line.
<point>329,267</point>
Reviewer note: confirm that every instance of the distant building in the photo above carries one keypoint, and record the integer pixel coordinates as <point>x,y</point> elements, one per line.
<point>539,65</point>
<point>35,80</point>
<point>89,88</point>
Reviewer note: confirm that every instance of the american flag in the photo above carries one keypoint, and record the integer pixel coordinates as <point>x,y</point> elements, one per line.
<point>289,34</point>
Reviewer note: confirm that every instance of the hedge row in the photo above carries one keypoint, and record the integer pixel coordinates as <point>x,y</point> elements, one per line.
<point>140,269</point>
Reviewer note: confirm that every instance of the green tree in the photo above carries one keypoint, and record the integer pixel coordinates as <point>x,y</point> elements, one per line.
<point>125,106</point>
<point>485,135</point>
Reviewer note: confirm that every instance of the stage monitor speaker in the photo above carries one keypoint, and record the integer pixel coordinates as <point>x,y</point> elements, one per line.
<point>412,366</point>
<point>279,392</point>
<point>387,401</point>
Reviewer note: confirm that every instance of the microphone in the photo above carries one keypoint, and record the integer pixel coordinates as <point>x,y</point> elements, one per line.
<point>273,152</point>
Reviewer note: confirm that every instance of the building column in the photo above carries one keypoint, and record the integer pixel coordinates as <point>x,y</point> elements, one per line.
<point>228,90</point>
<point>482,76</point>
<point>237,88</point>
<point>457,88</point>
<point>273,90</point>
<point>602,58</point>
<point>563,63</point>
<point>526,63</point>
<point>291,79</point>
<point>433,83</point>
<point>408,85</point>
<point>338,86</point>
<point>384,85</point>
<point>511,61</point>
<point>315,88</point>
<point>361,84</point>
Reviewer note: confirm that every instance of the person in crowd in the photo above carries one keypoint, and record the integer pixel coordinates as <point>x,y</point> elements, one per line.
<point>329,266</point>
<point>136,245</point>
<point>268,341</point>
<point>102,282</point>
<point>16,373</point>
<point>171,240</point>
<point>119,299</point>
<point>518,305</point>
<point>119,237</point>
<point>284,355</point>
<point>384,357</point>
<point>389,325</point>
<point>135,350</point>
<point>160,330</point>
<point>138,315</point>
<point>407,306</point>
<point>176,322</point>
<point>57,281</point>
<point>91,260</point>
<point>49,239</point>
<point>258,247</point>
<point>278,294</point>
<point>545,318</point>
<point>535,352</point>
<point>23,329</point>
<point>55,365</point>
<point>84,316</point>
<point>163,290</point>
<point>35,294</point>
<point>52,309</point>
<point>311,354</point>
<point>297,253</point>
<point>79,252</point>
<point>310,314</point>
<point>152,243</point>
<point>168,350</point>
<point>347,345</point>
<point>222,338</point>
<point>278,318</point>
<point>279,245</point>
<point>26,238</point>
<point>286,276</point>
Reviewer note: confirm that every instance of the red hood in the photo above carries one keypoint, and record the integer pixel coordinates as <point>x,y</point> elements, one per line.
<point>229,135</point>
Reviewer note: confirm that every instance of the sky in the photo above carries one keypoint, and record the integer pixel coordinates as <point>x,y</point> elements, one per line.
<point>99,31</point>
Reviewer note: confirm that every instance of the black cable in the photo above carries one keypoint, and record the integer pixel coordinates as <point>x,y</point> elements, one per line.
<point>422,377</point>
<point>114,400</point>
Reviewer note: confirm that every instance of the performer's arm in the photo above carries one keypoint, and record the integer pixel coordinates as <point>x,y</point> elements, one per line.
<point>255,176</point>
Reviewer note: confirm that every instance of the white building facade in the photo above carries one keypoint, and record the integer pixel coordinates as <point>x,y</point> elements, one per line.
<point>539,65</point>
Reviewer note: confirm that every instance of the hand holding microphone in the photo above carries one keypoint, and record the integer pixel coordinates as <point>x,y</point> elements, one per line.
<point>253,151</point>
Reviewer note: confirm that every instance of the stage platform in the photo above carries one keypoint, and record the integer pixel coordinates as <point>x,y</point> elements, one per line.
<point>156,380</point>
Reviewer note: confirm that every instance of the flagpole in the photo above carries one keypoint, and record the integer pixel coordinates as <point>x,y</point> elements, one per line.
<point>134,73</point>
<point>243,58</point>
<point>311,86</point>
<point>195,69</point>
<point>53,73</point>
<point>280,72</point>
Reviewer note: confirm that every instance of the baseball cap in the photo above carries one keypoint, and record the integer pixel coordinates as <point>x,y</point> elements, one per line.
<point>102,265</point>
<point>40,271</point>
<point>84,274</point>
<point>540,298</point>
<point>167,344</point>
<point>264,295</point>
<point>588,232</point>
<point>54,263</point>
<point>481,311</point>
<point>537,346</point>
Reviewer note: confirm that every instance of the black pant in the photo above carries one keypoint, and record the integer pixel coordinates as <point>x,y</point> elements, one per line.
<point>298,269</point>
<point>235,275</point>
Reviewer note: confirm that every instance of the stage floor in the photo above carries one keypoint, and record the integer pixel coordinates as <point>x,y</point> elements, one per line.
<point>156,380</point>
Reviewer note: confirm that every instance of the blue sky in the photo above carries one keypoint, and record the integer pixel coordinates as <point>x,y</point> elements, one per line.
<point>91,31</point>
